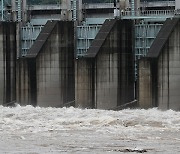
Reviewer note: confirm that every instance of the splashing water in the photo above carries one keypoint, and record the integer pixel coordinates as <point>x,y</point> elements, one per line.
<point>70,130</point>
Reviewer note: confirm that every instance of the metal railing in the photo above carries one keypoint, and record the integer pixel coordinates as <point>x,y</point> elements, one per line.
<point>98,5</point>
<point>85,36</point>
<point>44,7</point>
<point>161,3</point>
<point>149,13</point>
<point>102,5</point>
<point>144,37</point>
<point>29,35</point>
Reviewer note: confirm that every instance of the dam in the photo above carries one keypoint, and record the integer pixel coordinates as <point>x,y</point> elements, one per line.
<point>102,56</point>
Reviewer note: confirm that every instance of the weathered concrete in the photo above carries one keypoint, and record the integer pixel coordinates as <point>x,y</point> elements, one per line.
<point>145,84</point>
<point>7,62</point>
<point>18,16</point>
<point>169,72</point>
<point>84,83</point>
<point>23,96</point>
<point>66,13</point>
<point>163,58</point>
<point>50,64</point>
<point>177,4</point>
<point>105,77</point>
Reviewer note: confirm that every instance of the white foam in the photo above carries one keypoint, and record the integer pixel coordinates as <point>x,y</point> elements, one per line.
<point>37,119</point>
<point>70,123</point>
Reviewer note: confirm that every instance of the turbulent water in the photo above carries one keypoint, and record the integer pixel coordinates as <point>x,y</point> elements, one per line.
<point>29,130</point>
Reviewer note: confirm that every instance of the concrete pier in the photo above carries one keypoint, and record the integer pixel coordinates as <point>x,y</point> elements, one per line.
<point>23,96</point>
<point>7,62</point>
<point>105,76</point>
<point>49,67</point>
<point>145,84</point>
<point>163,67</point>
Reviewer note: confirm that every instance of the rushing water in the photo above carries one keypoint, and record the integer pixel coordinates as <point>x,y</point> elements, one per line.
<point>69,130</point>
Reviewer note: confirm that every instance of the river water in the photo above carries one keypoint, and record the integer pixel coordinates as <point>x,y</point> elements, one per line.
<point>29,130</point>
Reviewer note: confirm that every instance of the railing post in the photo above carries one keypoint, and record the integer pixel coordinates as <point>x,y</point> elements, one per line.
<point>132,8</point>
<point>19,11</point>
<point>74,10</point>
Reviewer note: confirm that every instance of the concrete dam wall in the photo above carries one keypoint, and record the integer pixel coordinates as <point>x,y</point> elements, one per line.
<point>50,75</point>
<point>105,76</point>
<point>7,62</point>
<point>45,77</point>
<point>159,72</point>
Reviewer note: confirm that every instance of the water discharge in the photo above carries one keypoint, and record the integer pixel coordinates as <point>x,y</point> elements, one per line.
<point>70,130</point>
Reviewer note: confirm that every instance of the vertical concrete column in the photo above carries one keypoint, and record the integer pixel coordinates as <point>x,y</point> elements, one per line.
<point>18,41</point>
<point>2,66</point>
<point>145,84</point>
<point>135,5</point>
<point>2,10</point>
<point>22,82</point>
<point>79,11</point>
<point>177,4</point>
<point>24,11</point>
<point>66,13</point>
<point>84,83</point>
<point>13,4</point>
<point>124,4</point>
<point>7,62</point>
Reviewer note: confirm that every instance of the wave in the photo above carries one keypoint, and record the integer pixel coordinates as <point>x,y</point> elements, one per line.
<point>37,119</point>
